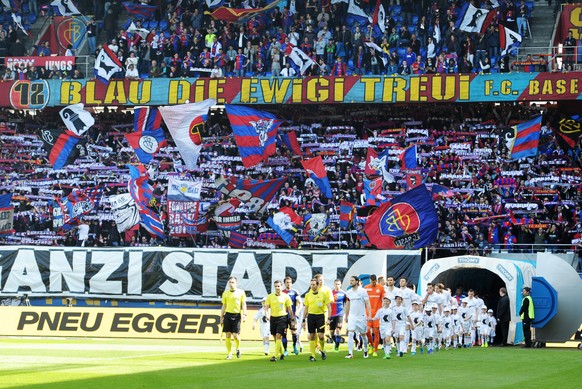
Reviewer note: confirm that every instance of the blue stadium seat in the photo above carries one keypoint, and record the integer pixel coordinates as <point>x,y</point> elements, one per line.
<point>126,24</point>
<point>350,64</point>
<point>163,25</point>
<point>167,34</point>
<point>422,52</point>
<point>268,74</point>
<point>401,52</point>
<point>154,24</point>
<point>414,19</point>
<point>493,61</point>
<point>412,29</point>
<point>396,10</point>
<point>32,18</point>
<point>1,18</point>
<point>25,8</point>
<point>494,70</point>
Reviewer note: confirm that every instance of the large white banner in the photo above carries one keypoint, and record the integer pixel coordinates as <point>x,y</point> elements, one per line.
<point>177,273</point>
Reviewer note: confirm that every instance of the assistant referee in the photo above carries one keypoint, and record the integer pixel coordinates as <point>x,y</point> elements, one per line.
<point>317,304</point>
<point>234,308</point>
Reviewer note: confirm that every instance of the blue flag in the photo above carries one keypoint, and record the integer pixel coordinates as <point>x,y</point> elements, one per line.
<point>409,221</point>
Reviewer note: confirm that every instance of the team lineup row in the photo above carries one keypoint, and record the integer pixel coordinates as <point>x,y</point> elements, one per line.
<point>376,313</point>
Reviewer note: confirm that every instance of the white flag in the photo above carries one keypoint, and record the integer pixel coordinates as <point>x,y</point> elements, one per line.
<point>382,18</point>
<point>378,49</point>
<point>139,31</point>
<point>301,59</point>
<point>17,19</point>
<point>508,39</point>
<point>124,211</point>
<point>355,8</point>
<point>107,64</point>
<point>66,7</point>
<point>183,190</point>
<point>473,19</point>
<point>185,123</point>
<point>213,3</point>
<point>77,120</point>
<point>7,4</point>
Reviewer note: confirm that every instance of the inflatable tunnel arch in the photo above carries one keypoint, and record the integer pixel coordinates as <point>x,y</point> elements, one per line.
<point>515,275</point>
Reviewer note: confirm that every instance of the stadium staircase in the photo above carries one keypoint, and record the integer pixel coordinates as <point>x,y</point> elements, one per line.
<point>542,23</point>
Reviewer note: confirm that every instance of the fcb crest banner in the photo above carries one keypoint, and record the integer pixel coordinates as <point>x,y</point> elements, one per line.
<point>408,221</point>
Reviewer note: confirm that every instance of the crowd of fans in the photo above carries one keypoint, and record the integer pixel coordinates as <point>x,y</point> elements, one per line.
<point>181,40</point>
<point>495,202</point>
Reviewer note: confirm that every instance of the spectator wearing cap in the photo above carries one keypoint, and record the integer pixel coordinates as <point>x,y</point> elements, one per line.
<point>526,313</point>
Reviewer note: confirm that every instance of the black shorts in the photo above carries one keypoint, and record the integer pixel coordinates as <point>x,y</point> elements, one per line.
<point>279,325</point>
<point>336,322</point>
<point>231,323</point>
<point>315,323</point>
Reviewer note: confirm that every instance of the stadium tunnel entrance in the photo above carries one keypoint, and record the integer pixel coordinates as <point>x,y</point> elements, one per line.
<point>484,282</point>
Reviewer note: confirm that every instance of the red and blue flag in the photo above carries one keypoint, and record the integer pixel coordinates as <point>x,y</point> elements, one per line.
<point>62,147</point>
<point>408,158</point>
<point>255,133</point>
<point>373,191</point>
<point>147,11</point>
<point>290,140</point>
<point>256,194</point>
<point>237,240</point>
<point>441,191</point>
<point>148,136</point>
<point>347,212</point>
<point>527,138</point>
<point>408,221</point>
<point>316,171</point>
<point>142,193</point>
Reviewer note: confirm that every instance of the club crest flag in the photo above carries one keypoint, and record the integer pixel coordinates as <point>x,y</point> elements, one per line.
<point>373,191</point>
<point>185,123</point>
<point>62,147</point>
<point>76,119</point>
<point>66,7</point>
<point>184,190</point>
<point>106,64</point>
<point>527,138</point>
<point>568,130</point>
<point>316,171</point>
<point>316,224</point>
<point>255,194</point>
<point>255,133</point>
<point>146,143</point>
<point>75,205</point>
<point>285,223</point>
<point>408,221</point>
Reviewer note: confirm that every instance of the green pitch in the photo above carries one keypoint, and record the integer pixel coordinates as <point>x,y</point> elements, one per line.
<point>108,364</point>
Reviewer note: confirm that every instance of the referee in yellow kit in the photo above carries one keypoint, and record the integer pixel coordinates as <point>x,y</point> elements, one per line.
<point>280,306</point>
<point>234,308</point>
<point>317,304</point>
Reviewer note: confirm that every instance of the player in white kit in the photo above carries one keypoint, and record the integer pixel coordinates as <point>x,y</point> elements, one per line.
<point>483,323</point>
<point>492,326</point>
<point>467,314</point>
<point>401,319</point>
<point>439,328</point>
<point>429,329</point>
<point>384,315</point>
<point>416,317</point>
<point>447,325</point>
<point>356,313</point>
<point>457,331</point>
<point>262,317</point>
